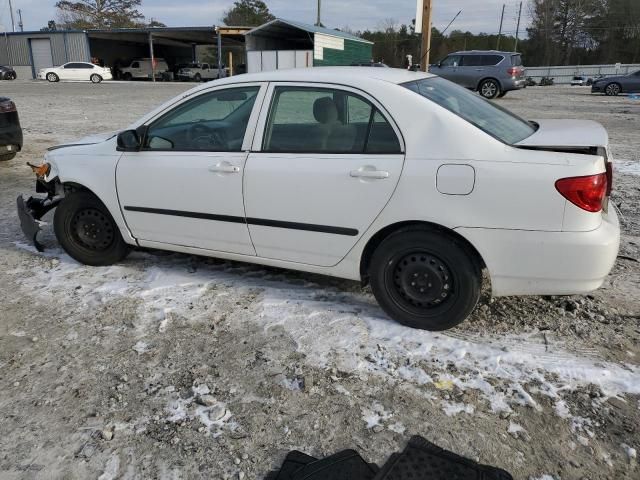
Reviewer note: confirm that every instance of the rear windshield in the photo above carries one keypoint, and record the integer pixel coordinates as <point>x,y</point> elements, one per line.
<point>494,120</point>
<point>516,60</point>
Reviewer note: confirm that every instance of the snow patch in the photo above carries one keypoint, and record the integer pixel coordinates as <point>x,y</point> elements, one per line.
<point>454,408</point>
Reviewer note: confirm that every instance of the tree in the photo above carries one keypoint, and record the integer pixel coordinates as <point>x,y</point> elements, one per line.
<point>84,14</point>
<point>248,13</point>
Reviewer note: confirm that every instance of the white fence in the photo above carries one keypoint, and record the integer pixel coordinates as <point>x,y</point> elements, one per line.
<point>268,60</point>
<point>565,74</point>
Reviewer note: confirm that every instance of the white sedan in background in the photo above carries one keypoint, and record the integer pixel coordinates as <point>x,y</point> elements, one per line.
<point>400,179</point>
<point>76,71</point>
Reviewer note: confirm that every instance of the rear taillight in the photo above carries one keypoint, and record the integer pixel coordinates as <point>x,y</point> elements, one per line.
<point>609,178</point>
<point>513,71</point>
<point>585,192</point>
<point>7,106</point>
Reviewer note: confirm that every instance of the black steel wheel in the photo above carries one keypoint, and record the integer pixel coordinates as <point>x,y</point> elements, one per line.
<point>613,90</point>
<point>87,232</point>
<point>425,279</point>
<point>489,88</point>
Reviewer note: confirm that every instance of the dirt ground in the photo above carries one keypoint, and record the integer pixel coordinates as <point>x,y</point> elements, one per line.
<point>174,366</point>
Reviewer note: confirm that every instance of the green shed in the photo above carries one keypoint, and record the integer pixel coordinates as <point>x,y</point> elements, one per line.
<point>282,44</point>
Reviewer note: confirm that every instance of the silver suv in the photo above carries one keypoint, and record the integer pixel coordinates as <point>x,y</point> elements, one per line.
<point>489,72</point>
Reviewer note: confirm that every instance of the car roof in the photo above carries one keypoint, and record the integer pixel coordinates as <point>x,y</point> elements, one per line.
<point>343,75</point>
<point>484,52</point>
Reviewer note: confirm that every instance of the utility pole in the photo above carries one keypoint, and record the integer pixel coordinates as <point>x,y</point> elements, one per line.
<point>500,32</point>
<point>13,24</point>
<point>426,34</point>
<point>318,22</point>
<point>20,24</point>
<point>515,47</point>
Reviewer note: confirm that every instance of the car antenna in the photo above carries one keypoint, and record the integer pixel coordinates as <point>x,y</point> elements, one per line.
<point>441,33</point>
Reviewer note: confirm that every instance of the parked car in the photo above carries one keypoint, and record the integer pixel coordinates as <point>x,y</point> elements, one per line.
<point>142,68</point>
<point>10,130</point>
<point>7,73</point>
<point>76,71</point>
<point>197,72</point>
<point>579,81</point>
<point>490,73</point>
<point>613,86</point>
<point>357,173</point>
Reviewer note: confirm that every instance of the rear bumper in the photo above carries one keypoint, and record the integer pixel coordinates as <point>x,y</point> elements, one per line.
<point>547,263</point>
<point>514,84</point>
<point>10,135</point>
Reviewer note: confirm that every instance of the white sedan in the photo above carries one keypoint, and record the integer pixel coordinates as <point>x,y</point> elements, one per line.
<point>400,179</point>
<point>76,71</point>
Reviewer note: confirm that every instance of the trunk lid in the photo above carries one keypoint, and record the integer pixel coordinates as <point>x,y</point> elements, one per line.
<point>566,135</point>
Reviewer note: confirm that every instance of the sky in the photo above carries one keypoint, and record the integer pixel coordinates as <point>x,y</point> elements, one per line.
<point>355,14</point>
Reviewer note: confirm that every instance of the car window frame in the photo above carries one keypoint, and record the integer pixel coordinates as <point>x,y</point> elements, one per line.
<point>441,63</point>
<point>251,124</point>
<point>268,103</point>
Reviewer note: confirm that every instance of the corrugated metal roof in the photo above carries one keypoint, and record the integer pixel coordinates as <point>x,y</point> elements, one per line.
<point>308,28</point>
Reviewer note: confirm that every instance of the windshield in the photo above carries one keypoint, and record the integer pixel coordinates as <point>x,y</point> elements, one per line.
<point>496,121</point>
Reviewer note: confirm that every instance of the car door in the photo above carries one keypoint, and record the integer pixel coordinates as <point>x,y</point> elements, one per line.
<point>448,68</point>
<point>136,70</point>
<point>470,71</point>
<point>325,162</point>
<point>185,186</point>
<point>69,71</point>
<point>633,83</point>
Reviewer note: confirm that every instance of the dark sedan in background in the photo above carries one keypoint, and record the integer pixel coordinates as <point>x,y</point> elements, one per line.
<point>10,131</point>
<point>613,86</point>
<point>7,73</point>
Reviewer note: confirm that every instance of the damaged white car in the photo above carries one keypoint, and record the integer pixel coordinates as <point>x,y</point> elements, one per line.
<point>399,179</point>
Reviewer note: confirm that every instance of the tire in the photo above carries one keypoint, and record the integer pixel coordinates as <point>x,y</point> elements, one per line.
<point>95,78</point>
<point>127,76</point>
<point>7,156</point>
<point>612,90</point>
<point>52,77</point>
<point>87,232</point>
<point>197,77</point>
<point>502,94</point>
<point>425,279</point>
<point>489,88</point>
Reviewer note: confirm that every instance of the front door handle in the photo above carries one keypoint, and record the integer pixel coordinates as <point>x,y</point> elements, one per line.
<point>224,167</point>
<point>369,172</point>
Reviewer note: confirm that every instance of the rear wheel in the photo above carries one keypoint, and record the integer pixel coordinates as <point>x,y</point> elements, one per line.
<point>502,94</point>
<point>127,76</point>
<point>612,90</point>
<point>52,77</point>
<point>87,232</point>
<point>425,279</point>
<point>95,78</point>
<point>489,89</point>
<point>197,77</point>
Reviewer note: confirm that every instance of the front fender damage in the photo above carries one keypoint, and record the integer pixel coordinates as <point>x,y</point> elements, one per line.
<point>31,211</point>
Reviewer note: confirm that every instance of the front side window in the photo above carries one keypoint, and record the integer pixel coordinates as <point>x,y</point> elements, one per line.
<point>494,120</point>
<point>320,120</point>
<point>451,61</point>
<point>135,65</point>
<point>472,60</point>
<point>211,122</point>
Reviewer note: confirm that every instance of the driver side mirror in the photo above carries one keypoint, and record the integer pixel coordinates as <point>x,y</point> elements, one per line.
<point>129,141</point>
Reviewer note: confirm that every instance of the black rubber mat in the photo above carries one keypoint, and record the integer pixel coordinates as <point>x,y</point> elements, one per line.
<point>293,462</point>
<point>345,465</point>
<point>422,460</point>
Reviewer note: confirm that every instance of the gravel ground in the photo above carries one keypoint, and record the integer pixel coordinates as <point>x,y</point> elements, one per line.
<point>174,366</point>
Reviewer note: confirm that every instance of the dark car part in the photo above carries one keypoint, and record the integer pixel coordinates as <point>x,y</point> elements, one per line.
<point>10,130</point>
<point>7,73</point>
<point>30,212</point>
<point>420,460</point>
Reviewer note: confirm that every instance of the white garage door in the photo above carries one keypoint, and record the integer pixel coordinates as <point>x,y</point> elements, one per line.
<point>41,52</point>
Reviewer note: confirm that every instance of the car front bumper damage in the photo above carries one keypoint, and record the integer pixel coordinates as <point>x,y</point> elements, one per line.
<point>31,210</point>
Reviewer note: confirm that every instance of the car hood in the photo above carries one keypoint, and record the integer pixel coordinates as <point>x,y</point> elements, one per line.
<point>566,134</point>
<point>88,140</point>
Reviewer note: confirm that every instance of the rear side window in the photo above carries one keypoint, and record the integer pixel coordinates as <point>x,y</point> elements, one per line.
<point>491,60</point>
<point>516,60</point>
<point>321,120</point>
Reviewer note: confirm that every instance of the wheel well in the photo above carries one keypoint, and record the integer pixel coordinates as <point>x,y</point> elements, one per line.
<point>70,187</point>
<point>489,78</point>
<point>380,236</point>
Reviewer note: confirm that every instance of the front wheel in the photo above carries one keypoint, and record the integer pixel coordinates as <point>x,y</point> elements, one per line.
<point>52,77</point>
<point>489,89</point>
<point>87,232</point>
<point>197,77</point>
<point>95,78</point>
<point>425,279</point>
<point>612,90</point>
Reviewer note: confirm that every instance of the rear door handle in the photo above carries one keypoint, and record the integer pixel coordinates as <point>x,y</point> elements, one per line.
<point>224,167</point>
<point>369,173</point>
